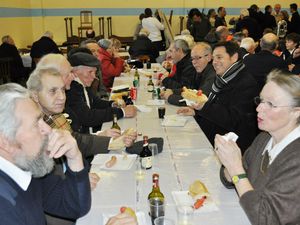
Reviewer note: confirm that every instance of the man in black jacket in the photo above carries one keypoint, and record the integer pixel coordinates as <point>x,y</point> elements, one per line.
<point>261,63</point>
<point>43,46</point>
<point>201,57</point>
<point>295,20</point>
<point>230,106</point>
<point>185,72</point>
<point>90,110</point>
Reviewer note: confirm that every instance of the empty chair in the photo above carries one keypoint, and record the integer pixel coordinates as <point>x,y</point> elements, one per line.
<point>86,22</point>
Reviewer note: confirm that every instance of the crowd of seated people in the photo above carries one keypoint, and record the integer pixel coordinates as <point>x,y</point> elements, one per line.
<point>231,67</point>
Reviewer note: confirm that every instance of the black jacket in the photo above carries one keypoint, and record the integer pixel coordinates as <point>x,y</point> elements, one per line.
<point>220,21</point>
<point>184,75</point>
<point>143,46</point>
<point>199,29</point>
<point>232,110</point>
<point>17,69</point>
<point>251,25</point>
<point>295,23</point>
<point>84,117</point>
<point>202,81</point>
<point>261,64</point>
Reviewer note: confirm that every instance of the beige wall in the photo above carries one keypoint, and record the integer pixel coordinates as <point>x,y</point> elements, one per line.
<point>26,29</point>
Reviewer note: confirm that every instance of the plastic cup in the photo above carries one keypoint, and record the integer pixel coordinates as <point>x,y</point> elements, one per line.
<point>156,209</point>
<point>163,221</point>
<point>185,214</point>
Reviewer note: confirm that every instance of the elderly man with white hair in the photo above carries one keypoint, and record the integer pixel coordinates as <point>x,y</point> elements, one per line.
<point>247,47</point>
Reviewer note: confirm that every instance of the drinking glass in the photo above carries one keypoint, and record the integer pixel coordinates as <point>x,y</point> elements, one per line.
<point>161,112</point>
<point>157,209</point>
<point>154,149</point>
<point>163,221</point>
<point>139,169</point>
<point>185,214</point>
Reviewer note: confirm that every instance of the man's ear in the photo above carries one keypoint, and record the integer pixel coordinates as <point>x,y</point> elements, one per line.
<point>6,145</point>
<point>34,96</point>
<point>235,57</point>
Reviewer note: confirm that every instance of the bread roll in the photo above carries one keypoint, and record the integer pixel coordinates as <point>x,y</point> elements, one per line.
<point>193,95</point>
<point>198,189</point>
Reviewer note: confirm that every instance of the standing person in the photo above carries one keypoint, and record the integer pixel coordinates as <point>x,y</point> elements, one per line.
<point>41,47</point>
<point>230,104</point>
<point>211,15</point>
<point>154,27</point>
<point>139,26</point>
<point>276,12</point>
<point>267,178</point>
<point>220,19</point>
<point>27,149</point>
<point>198,25</point>
<point>295,20</point>
<point>269,19</point>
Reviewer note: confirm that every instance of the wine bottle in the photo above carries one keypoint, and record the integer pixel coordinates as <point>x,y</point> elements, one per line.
<point>115,124</point>
<point>150,85</point>
<point>156,199</point>
<point>156,193</point>
<point>146,155</point>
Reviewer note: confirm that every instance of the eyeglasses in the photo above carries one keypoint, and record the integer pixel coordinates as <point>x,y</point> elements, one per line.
<point>258,100</point>
<point>196,58</point>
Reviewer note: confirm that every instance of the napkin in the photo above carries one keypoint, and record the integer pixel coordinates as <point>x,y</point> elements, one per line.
<point>123,163</point>
<point>156,102</point>
<point>174,121</point>
<point>230,136</point>
<point>143,108</point>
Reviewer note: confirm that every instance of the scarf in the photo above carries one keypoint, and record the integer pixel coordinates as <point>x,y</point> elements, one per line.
<point>221,82</point>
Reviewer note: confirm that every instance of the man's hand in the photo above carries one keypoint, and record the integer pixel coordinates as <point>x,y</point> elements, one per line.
<point>119,103</point>
<point>130,111</point>
<point>296,53</point>
<point>62,143</point>
<point>122,219</point>
<point>197,106</point>
<point>94,179</point>
<point>114,133</point>
<point>129,139</point>
<point>166,94</point>
<point>186,111</point>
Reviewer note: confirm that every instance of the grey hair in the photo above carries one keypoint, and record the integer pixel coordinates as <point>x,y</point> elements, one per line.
<point>51,61</point>
<point>48,34</point>
<point>247,43</point>
<point>288,82</point>
<point>181,44</point>
<point>5,39</point>
<point>207,47</point>
<point>9,94</point>
<point>34,82</point>
<point>84,43</point>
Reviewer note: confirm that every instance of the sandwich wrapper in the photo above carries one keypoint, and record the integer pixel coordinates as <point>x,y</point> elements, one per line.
<point>137,147</point>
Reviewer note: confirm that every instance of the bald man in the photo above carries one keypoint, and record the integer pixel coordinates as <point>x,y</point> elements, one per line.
<point>261,63</point>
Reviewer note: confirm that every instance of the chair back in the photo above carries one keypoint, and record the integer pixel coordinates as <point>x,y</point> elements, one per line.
<point>5,70</point>
<point>86,18</point>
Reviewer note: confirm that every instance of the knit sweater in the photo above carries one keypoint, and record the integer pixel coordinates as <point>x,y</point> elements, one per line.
<point>276,195</point>
<point>68,198</point>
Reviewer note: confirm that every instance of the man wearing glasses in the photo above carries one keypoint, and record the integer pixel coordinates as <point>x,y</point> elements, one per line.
<point>230,106</point>
<point>201,57</point>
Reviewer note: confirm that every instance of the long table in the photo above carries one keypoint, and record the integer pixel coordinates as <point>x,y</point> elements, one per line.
<point>187,155</point>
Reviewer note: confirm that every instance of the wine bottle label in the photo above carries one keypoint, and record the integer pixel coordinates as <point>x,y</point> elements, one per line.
<point>150,88</point>
<point>147,162</point>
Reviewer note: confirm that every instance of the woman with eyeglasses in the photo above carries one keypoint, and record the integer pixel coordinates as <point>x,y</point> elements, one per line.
<point>267,177</point>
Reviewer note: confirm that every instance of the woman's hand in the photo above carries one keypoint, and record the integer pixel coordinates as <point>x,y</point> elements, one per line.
<point>229,154</point>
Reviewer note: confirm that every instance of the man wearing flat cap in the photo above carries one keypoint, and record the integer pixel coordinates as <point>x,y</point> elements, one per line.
<point>90,109</point>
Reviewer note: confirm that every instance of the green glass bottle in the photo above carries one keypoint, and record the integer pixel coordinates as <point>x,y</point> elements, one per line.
<point>150,85</point>
<point>156,194</point>
<point>115,124</point>
<point>136,79</point>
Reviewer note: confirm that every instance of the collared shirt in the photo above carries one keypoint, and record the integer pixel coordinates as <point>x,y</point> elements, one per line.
<point>21,177</point>
<point>275,151</point>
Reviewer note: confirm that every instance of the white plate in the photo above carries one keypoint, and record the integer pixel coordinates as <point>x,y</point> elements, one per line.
<point>156,102</point>
<point>121,164</point>
<point>183,198</point>
<point>174,121</point>
<point>120,87</point>
<point>141,219</point>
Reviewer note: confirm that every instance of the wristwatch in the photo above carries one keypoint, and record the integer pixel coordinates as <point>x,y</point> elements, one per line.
<point>236,178</point>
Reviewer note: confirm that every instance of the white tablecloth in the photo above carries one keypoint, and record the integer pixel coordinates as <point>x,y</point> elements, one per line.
<point>187,155</point>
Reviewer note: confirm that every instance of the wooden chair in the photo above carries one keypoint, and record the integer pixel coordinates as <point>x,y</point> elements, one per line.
<point>170,18</point>
<point>5,70</point>
<point>86,22</point>
<point>101,29</point>
<point>125,41</point>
